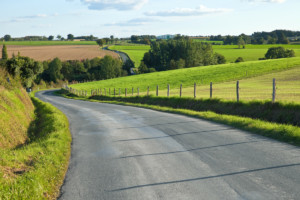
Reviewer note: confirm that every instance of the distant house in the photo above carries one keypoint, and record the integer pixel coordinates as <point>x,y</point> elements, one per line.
<point>165,37</point>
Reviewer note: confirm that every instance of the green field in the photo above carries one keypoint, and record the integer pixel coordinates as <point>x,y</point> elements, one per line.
<point>135,52</point>
<point>201,75</point>
<point>231,52</point>
<point>48,43</point>
<point>250,53</point>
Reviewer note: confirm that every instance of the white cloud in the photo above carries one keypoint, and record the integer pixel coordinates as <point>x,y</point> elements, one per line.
<point>201,10</point>
<point>133,22</point>
<point>115,4</point>
<point>268,1</point>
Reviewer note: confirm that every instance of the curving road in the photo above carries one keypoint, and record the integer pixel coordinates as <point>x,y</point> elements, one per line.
<point>122,152</point>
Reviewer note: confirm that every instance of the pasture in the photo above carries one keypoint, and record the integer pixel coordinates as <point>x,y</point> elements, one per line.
<point>203,76</point>
<point>231,52</point>
<point>136,52</point>
<point>63,52</point>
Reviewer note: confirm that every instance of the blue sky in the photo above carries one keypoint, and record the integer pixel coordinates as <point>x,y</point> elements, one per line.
<point>123,18</point>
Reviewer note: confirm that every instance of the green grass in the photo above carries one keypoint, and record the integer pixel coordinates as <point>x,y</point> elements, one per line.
<point>201,75</point>
<point>231,52</point>
<point>136,52</point>
<point>281,132</point>
<point>36,169</point>
<point>250,53</point>
<point>47,43</point>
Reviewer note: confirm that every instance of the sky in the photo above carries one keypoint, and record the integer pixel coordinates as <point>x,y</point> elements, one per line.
<point>123,18</point>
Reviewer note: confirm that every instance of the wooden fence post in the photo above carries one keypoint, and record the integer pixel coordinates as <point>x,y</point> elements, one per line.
<point>125,92</point>
<point>109,91</point>
<point>132,91</point>
<point>168,93</point>
<point>274,91</point>
<point>104,91</point>
<point>238,91</point>
<point>91,92</point>
<point>211,89</point>
<point>148,91</point>
<point>157,90</point>
<point>114,91</point>
<point>138,91</point>
<point>195,88</point>
<point>119,91</point>
<point>180,92</point>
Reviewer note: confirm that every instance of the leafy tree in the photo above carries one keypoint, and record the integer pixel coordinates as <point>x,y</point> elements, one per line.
<point>70,37</point>
<point>279,52</point>
<point>143,68</point>
<point>134,38</point>
<point>100,42</point>
<point>58,37</point>
<point>7,37</point>
<point>240,42</point>
<point>54,70</point>
<point>110,68</point>
<point>128,65</point>
<point>4,53</point>
<point>51,37</point>
<point>111,39</point>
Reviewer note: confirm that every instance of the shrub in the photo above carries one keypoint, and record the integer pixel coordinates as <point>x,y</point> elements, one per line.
<point>239,59</point>
<point>279,52</point>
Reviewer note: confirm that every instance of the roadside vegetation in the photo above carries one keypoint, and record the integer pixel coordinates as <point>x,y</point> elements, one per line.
<point>34,144</point>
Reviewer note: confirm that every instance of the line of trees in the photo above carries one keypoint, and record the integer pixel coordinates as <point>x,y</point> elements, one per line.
<point>179,53</point>
<point>33,72</point>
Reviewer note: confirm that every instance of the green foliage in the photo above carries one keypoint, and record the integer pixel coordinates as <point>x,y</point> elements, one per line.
<point>220,58</point>
<point>51,37</point>
<point>36,169</point>
<point>4,53</point>
<point>25,68</point>
<point>279,52</point>
<point>54,70</point>
<point>70,37</point>
<point>7,37</point>
<point>164,55</point>
<point>239,59</point>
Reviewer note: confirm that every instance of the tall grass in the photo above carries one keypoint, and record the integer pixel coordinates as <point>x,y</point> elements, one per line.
<point>36,169</point>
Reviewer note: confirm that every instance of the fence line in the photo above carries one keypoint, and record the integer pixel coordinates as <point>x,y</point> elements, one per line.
<point>211,89</point>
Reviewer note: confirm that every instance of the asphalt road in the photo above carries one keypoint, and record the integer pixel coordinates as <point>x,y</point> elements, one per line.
<point>122,152</point>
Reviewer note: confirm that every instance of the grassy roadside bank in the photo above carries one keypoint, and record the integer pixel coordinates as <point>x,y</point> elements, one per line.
<point>36,169</point>
<point>282,132</point>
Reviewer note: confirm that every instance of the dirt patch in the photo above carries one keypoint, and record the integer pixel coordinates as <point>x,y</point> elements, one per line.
<point>65,52</point>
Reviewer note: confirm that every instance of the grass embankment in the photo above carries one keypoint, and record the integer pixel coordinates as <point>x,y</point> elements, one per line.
<point>201,75</point>
<point>203,109</point>
<point>47,43</point>
<point>35,146</point>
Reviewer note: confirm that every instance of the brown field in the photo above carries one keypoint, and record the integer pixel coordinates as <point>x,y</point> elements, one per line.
<point>67,52</point>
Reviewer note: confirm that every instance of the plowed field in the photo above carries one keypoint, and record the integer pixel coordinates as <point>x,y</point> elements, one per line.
<point>67,52</point>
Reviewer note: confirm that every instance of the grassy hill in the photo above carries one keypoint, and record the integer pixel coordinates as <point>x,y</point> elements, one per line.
<point>201,75</point>
<point>34,144</point>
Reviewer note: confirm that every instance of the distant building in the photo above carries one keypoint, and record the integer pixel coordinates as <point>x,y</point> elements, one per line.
<point>165,37</point>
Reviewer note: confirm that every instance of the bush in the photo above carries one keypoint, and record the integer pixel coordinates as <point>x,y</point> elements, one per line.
<point>239,59</point>
<point>220,58</point>
<point>279,52</point>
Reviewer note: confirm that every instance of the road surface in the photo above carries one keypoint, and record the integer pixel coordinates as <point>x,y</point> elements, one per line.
<point>122,152</point>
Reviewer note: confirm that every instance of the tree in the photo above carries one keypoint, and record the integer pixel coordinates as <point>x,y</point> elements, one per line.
<point>7,37</point>
<point>111,39</point>
<point>58,37</point>
<point>220,58</point>
<point>279,52</point>
<point>51,37</point>
<point>4,53</point>
<point>54,70</point>
<point>70,37</point>
<point>100,42</point>
<point>241,42</point>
